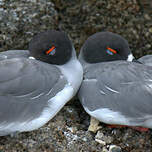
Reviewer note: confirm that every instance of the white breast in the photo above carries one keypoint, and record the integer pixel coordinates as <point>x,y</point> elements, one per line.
<point>73,71</point>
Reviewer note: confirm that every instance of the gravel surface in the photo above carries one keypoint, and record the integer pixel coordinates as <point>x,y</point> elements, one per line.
<point>67,132</point>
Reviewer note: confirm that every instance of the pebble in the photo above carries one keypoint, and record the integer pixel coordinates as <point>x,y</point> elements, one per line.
<point>148,46</point>
<point>147,17</point>
<point>104,149</point>
<point>114,148</point>
<point>150,30</point>
<point>103,139</point>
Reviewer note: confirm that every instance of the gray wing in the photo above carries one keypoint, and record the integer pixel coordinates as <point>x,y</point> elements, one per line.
<point>147,60</point>
<point>14,54</point>
<point>119,86</point>
<point>25,87</point>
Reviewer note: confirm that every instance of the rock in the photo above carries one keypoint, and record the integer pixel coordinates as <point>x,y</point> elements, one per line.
<point>114,148</point>
<point>147,17</point>
<point>146,5</point>
<point>94,125</point>
<point>148,46</point>
<point>104,149</point>
<point>20,20</point>
<point>103,139</point>
<point>102,142</point>
<point>150,30</point>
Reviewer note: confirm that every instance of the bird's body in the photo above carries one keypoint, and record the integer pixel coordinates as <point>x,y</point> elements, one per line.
<point>14,54</point>
<point>116,91</point>
<point>33,91</point>
<point>147,60</point>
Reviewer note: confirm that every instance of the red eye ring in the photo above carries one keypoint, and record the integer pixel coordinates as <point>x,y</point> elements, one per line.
<point>50,50</point>
<point>112,50</point>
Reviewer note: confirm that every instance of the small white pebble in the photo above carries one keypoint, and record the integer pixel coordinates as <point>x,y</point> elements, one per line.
<point>84,139</point>
<point>31,57</point>
<point>114,148</point>
<point>104,149</point>
<point>103,143</point>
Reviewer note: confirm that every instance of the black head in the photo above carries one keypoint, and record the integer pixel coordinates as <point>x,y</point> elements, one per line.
<point>105,46</point>
<point>52,46</point>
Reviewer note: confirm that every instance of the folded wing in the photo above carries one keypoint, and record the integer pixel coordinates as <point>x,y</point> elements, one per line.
<point>26,85</point>
<point>120,86</point>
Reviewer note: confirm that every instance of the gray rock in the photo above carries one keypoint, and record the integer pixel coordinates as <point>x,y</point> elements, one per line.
<point>114,148</point>
<point>20,20</point>
<point>103,139</point>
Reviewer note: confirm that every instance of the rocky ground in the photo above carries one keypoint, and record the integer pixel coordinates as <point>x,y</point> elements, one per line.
<point>67,132</point>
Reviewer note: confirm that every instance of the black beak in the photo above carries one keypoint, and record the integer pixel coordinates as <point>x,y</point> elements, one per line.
<point>134,60</point>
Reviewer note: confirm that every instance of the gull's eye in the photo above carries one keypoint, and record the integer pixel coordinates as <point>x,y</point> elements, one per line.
<point>111,51</point>
<point>51,51</point>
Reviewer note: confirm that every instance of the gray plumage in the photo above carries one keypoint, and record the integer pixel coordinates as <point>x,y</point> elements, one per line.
<point>14,54</point>
<point>115,91</point>
<point>147,60</point>
<point>119,86</point>
<point>36,84</point>
<point>24,88</point>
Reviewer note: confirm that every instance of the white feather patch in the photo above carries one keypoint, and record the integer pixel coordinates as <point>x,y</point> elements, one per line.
<point>31,57</point>
<point>130,58</point>
<point>73,72</point>
<point>55,104</point>
<point>108,116</point>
